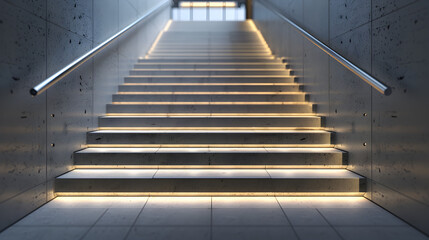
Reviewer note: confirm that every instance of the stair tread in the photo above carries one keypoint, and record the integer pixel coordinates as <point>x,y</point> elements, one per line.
<point>211,103</point>
<point>208,131</point>
<point>214,116</point>
<point>210,93</point>
<point>210,84</point>
<point>210,150</point>
<point>209,76</point>
<point>210,174</point>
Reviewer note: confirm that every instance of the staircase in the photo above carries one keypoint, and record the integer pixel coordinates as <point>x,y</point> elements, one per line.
<point>210,111</point>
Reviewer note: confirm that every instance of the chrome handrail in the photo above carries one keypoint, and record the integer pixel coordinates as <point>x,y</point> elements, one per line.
<point>346,63</point>
<point>41,87</point>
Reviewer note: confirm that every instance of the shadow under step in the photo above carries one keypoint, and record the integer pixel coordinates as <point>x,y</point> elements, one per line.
<point>198,66</point>
<point>214,137</point>
<point>208,50</point>
<point>209,79</point>
<point>210,107</point>
<point>209,97</point>
<point>117,181</point>
<point>210,87</point>
<point>211,121</point>
<point>210,72</point>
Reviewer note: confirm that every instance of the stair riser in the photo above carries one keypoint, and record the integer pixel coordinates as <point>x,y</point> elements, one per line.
<point>210,73</point>
<point>203,43</point>
<point>178,79</point>
<point>216,88</point>
<point>210,55</point>
<point>210,51</point>
<point>123,108</point>
<point>208,138</point>
<point>208,66</point>
<point>212,159</point>
<point>208,98</point>
<point>209,122</point>
<point>209,185</point>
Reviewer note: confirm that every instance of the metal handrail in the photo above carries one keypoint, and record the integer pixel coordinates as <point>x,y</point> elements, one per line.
<point>41,87</point>
<point>346,63</point>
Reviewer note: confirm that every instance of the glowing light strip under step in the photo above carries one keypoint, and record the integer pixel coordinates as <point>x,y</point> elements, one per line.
<point>211,93</point>
<point>211,128</point>
<point>208,69</point>
<point>209,76</point>
<point>238,115</point>
<point>210,63</point>
<point>209,166</point>
<point>210,84</point>
<point>208,194</point>
<point>211,145</point>
<point>212,103</point>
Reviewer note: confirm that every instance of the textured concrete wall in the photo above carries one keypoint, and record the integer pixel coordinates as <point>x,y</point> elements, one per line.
<point>389,39</point>
<point>39,134</point>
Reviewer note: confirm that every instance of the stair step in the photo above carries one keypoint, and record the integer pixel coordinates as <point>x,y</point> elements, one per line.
<point>211,157</point>
<point>209,54</point>
<point>210,79</point>
<point>210,107</point>
<point>209,96</point>
<point>210,87</point>
<point>188,39</point>
<point>208,137</point>
<point>207,51</point>
<point>211,121</point>
<point>211,60</point>
<point>195,66</point>
<point>209,180</point>
<point>210,72</point>
<point>212,48</point>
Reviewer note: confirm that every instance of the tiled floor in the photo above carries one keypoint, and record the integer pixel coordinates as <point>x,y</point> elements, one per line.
<point>211,218</point>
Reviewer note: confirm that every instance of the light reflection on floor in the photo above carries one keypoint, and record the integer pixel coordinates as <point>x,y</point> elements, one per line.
<point>210,218</point>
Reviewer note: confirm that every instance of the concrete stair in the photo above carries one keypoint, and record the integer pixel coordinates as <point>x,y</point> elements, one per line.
<point>209,79</point>
<point>209,87</point>
<point>233,121</point>
<point>210,111</point>
<point>210,96</point>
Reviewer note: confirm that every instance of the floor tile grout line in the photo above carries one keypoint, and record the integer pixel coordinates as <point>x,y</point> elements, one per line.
<point>266,170</point>
<point>135,220</point>
<point>153,176</point>
<point>333,228</point>
<point>92,226</point>
<point>287,218</point>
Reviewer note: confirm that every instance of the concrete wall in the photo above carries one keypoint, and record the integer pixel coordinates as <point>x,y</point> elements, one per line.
<point>388,39</point>
<point>39,134</point>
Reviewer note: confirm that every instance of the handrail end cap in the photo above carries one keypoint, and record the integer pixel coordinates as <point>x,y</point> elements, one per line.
<point>388,91</point>
<point>33,92</point>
